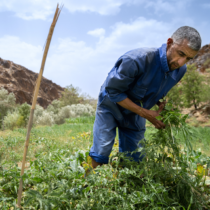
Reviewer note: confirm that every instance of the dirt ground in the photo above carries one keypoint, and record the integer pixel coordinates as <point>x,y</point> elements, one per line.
<point>199,117</point>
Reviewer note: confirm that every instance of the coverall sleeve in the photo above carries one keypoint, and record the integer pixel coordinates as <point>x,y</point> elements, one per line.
<point>121,77</point>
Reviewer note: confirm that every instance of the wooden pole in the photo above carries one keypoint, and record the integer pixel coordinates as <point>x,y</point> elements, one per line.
<point>36,91</point>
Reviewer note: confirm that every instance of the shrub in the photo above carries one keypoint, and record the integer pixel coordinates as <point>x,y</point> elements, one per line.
<point>54,106</point>
<point>24,111</point>
<point>65,112</point>
<point>7,103</point>
<point>10,121</point>
<point>75,110</point>
<point>37,113</point>
<point>82,110</point>
<point>45,119</point>
<point>21,122</point>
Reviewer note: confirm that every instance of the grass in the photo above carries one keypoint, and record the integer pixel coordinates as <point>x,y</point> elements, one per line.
<point>71,136</point>
<point>74,134</point>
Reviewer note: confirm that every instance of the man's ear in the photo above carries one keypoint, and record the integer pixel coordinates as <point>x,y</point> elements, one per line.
<point>170,41</point>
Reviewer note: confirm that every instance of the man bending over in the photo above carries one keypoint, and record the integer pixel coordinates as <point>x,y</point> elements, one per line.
<point>138,80</point>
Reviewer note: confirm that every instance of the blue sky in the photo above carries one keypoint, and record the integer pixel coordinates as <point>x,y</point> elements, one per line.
<point>92,34</point>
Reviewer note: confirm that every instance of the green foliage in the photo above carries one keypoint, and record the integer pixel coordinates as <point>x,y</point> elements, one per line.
<point>7,103</point>
<point>55,179</point>
<point>90,119</point>
<point>45,119</point>
<point>174,95</point>
<point>24,111</point>
<point>71,96</point>
<point>54,106</point>
<point>10,121</point>
<point>193,87</point>
<point>21,122</point>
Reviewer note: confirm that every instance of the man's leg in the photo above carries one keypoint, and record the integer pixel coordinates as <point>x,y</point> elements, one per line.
<point>131,135</point>
<point>104,132</point>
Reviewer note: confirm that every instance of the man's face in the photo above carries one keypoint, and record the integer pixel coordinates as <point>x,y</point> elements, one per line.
<point>178,54</point>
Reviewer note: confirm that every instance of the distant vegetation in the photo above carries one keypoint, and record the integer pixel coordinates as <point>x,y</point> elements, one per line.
<point>71,105</point>
<point>193,89</point>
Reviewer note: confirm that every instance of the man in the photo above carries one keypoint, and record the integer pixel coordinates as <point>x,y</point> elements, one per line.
<point>139,79</point>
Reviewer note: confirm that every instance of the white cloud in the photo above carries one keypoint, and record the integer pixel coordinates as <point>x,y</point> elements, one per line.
<point>74,62</point>
<point>162,6</point>
<point>39,9</point>
<point>29,9</point>
<point>99,32</point>
<point>20,52</point>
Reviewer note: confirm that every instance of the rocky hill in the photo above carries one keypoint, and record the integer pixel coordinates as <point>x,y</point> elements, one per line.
<point>200,60</point>
<point>21,81</point>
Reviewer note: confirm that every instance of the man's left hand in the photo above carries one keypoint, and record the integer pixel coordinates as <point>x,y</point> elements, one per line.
<point>161,104</point>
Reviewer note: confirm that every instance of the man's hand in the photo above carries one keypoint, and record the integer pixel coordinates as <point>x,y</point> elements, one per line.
<point>147,114</point>
<point>160,104</point>
<point>151,116</point>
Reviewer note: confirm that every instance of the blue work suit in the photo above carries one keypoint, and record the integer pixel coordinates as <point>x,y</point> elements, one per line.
<point>143,76</point>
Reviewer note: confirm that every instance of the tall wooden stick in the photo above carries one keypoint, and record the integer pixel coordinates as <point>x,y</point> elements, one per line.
<point>36,91</point>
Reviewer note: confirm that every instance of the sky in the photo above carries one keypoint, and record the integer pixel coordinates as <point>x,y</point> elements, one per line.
<point>91,35</point>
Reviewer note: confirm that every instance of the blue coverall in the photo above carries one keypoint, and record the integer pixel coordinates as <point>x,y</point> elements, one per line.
<point>143,76</point>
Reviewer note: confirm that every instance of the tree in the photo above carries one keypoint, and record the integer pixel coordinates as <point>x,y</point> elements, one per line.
<point>193,87</point>
<point>71,96</point>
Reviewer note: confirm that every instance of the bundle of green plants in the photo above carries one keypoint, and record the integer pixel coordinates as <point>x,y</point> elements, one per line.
<point>164,179</point>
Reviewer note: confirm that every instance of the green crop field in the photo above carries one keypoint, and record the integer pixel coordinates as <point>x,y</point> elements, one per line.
<point>58,173</point>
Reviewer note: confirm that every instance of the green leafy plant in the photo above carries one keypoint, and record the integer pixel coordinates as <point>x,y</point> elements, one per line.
<point>24,111</point>
<point>7,103</point>
<point>165,179</point>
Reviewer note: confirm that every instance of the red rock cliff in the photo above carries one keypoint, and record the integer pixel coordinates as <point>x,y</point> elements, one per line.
<point>21,81</point>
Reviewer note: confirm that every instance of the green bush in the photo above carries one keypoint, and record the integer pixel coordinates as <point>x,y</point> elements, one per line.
<point>45,119</point>
<point>7,103</point>
<point>20,122</point>
<point>24,111</point>
<point>54,106</point>
<point>11,120</point>
<point>37,113</point>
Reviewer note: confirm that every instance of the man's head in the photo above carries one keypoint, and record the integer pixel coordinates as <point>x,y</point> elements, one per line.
<point>182,46</point>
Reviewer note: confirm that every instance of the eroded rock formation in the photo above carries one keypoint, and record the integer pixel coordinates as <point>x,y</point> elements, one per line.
<point>21,81</point>
<point>201,58</point>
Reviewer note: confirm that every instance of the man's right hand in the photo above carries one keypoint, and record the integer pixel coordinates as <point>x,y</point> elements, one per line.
<point>147,114</point>
<point>151,116</point>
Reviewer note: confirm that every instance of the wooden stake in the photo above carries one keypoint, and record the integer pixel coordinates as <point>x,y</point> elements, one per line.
<point>36,91</point>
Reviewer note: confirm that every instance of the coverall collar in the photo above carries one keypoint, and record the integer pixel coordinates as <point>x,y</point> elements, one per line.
<point>163,58</point>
